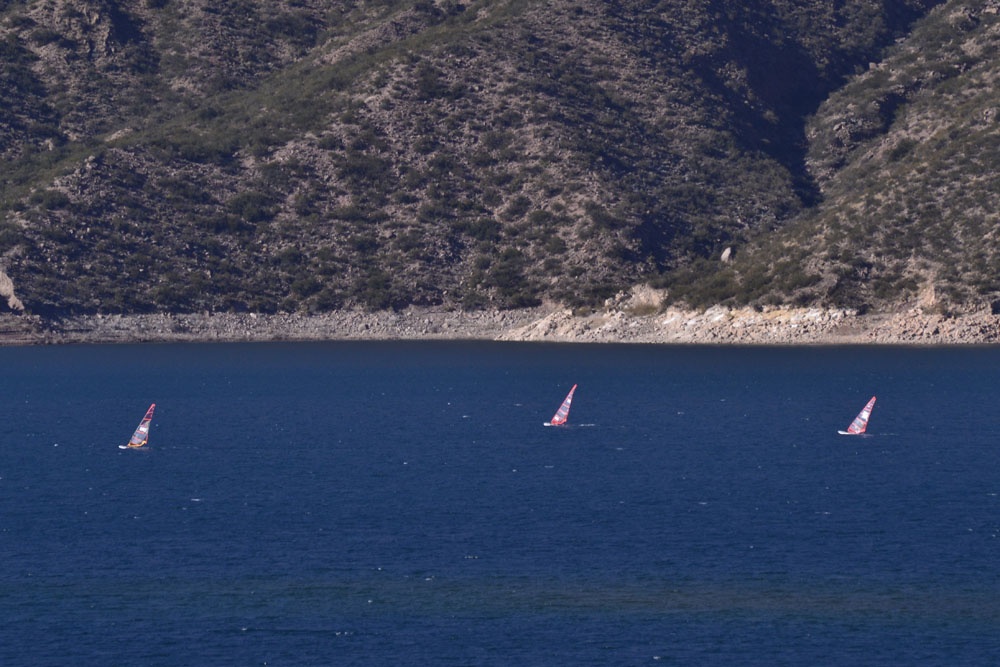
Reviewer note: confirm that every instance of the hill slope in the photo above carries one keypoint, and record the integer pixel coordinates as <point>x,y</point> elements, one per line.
<point>907,158</point>
<point>174,155</point>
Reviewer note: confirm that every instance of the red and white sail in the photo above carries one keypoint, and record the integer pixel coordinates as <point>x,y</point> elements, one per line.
<point>141,435</point>
<point>860,422</point>
<point>562,414</point>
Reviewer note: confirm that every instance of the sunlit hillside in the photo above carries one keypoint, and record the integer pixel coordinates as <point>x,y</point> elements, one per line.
<point>184,156</point>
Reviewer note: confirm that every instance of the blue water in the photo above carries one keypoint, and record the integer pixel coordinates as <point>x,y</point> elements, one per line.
<point>401,503</point>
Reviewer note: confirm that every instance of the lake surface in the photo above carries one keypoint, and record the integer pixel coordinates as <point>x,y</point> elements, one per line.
<point>401,503</point>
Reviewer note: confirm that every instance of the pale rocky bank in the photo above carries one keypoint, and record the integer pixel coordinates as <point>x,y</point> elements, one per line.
<point>775,326</point>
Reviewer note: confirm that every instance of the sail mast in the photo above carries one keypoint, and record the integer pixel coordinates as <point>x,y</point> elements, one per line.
<point>860,423</point>
<point>141,434</point>
<point>562,414</point>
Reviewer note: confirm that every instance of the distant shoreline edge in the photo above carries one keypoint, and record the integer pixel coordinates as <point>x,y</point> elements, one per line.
<point>714,326</point>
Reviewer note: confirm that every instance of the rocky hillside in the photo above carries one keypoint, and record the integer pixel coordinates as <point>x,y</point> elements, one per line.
<point>906,157</point>
<point>306,156</point>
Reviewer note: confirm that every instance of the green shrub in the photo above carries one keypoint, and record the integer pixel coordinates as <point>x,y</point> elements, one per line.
<point>50,200</point>
<point>362,169</point>
<point>307,286</point>
<point>517,208</point>
<point>252,206</point>
<point>902,149</point>
<point>291,257</point>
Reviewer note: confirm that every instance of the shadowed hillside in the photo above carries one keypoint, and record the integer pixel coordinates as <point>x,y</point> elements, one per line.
<point>906,156</point>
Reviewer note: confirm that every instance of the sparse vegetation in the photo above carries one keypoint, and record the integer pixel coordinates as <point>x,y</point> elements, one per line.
<point>287,156</point>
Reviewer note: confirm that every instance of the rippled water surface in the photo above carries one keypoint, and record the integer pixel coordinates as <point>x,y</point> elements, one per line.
<point>401,503</point>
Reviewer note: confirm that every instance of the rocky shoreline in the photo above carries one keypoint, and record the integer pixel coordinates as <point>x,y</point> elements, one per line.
<point>775,326</point>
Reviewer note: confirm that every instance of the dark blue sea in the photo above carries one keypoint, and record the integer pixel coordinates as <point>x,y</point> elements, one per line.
<point>402,504</point>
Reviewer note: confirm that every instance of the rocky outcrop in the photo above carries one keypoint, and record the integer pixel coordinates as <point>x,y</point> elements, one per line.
<point>778,326</point>
<point>715,326</point>
<point>7,292</point>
